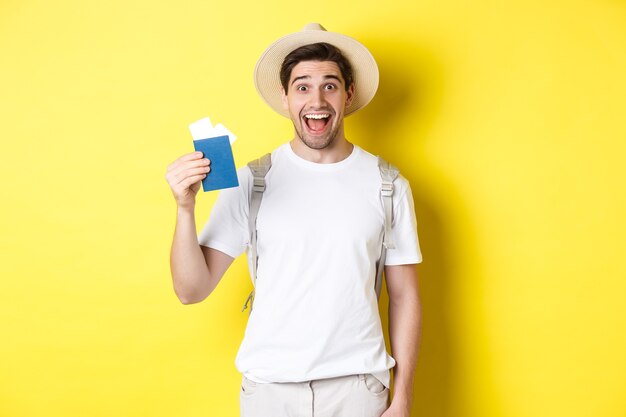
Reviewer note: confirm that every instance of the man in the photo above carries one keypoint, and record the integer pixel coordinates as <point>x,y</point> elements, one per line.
<point>314,344</point>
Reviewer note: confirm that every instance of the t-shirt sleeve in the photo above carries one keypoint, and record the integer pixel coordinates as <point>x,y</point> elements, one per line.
<point>404,228</point>
<point>227,227</point>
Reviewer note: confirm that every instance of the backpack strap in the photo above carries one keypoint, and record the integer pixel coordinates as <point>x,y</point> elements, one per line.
<point>388,174</point>
<point>259,168</point>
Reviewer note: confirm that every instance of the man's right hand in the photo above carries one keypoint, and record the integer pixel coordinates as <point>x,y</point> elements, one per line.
<point>184,176</point>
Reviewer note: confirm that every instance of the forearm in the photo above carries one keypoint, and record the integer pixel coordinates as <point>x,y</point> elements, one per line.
<point>405,334</point>
<point>190,273</point>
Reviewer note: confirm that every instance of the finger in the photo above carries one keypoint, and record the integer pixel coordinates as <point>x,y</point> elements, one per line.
<point>174,175</point>
<point>191,173</point>
<point>185,184</point>
<point>187,157</point>
<point>192,180</point>
<point>183,170</point>
<point>183,165</point>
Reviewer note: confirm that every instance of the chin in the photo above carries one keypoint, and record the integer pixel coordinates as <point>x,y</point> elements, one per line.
<point>317,146</point>
<point>316,143</point>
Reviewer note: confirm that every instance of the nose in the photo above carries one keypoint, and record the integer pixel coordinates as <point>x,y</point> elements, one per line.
<point>317,98</point>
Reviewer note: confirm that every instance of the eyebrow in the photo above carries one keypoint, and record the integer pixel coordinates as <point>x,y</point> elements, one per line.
<point>304,77</point>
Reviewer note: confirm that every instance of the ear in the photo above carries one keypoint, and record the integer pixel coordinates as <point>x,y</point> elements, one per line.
<point>349,94</point>
<point>283,97</point>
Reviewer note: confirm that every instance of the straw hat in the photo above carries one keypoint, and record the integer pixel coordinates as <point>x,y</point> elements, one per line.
<point>364,68</point>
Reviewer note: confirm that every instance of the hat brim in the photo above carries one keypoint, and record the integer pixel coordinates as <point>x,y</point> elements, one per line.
<point>364,68</point>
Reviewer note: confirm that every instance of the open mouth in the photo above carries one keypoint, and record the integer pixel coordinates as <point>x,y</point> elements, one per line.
<point>317,123</point>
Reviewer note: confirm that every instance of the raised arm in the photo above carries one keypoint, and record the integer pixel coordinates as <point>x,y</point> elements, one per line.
<point>196,270</point>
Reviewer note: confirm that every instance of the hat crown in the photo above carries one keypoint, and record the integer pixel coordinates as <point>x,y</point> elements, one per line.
<point>314,26</point>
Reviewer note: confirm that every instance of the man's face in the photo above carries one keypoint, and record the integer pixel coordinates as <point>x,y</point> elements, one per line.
<point>316,100</point>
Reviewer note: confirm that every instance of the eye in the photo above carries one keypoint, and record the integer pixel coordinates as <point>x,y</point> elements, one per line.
<point>301,88</point>
<point>329,87</point>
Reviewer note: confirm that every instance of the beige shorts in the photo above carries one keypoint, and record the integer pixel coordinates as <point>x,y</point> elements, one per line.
<point>347,396</point>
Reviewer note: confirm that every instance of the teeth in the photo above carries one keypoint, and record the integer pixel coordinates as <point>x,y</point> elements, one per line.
<point>317,116</point>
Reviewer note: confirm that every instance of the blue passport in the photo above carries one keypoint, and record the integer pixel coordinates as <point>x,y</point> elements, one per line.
<point>223,173</point>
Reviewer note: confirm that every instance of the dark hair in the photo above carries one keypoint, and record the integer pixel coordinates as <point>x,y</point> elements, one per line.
<point>321,51</point>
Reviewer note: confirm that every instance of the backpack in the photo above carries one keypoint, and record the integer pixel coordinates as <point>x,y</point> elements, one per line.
<point>260,167</point>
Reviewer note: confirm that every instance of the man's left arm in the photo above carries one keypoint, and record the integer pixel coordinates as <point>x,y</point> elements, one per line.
<point>405,322</point>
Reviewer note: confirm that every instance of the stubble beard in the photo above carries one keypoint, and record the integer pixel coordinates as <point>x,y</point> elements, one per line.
<point>319,142</point>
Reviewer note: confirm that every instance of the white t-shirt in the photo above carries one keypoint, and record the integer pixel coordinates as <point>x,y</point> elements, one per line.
<point>320,229</point>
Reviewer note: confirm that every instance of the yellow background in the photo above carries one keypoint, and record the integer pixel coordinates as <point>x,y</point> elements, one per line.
<point>507,117</point>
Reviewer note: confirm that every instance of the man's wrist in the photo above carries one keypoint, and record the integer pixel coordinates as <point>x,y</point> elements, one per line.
<point>402,394</point>
<point>185,211</point>
<point>402,399</point>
